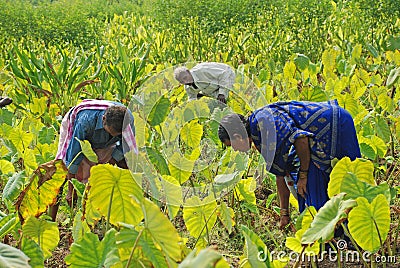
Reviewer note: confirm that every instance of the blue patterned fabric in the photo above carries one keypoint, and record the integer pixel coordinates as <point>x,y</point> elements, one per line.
<point>275,127</point>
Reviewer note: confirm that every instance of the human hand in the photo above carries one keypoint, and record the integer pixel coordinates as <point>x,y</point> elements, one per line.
<point>302,183</point>
<point>221,98</point>
<point>284,221</point>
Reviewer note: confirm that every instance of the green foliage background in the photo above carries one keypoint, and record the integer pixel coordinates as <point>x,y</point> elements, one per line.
<point>54,53</point>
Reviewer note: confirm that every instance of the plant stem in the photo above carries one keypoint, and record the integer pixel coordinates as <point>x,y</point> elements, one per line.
<point>109,208</point>
<point>133,249</point>
<point>205,226</point>
<point>347,233</point>
<point>299,259</point>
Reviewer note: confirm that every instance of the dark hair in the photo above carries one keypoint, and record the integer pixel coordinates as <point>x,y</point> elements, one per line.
<point>114,117</point>
<point>233,124</point>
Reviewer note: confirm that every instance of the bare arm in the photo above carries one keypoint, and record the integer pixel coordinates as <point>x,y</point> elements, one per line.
<point>303,152</point>
<point>284,193</point>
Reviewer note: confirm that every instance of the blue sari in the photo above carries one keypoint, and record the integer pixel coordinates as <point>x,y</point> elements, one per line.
<point>331,132</point>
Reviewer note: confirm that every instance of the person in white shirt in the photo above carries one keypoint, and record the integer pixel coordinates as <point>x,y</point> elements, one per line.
<point>210,79</point>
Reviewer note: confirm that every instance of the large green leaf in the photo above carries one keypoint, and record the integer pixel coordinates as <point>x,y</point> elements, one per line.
<point>226,215</point>
<point>173,195</point>
<point>145,249</point>
<point>42,189</point>
<point>362,169</point>
<point>161,230</point>
<point>79,228</point>
<point>369,224</point>
<point>46,135</point>
<point>7,223</point>
<point>158,161</point>
<point>315,93</point>
<point>33,251</point>
<point>110,192</point>
<point>14,186</point>
<point>87,150</point>
<point>191,133</point>
<point>246,189</point>
<point>302,62</point>
<point>323,226</point>
<point>196,109</point>
<point>355,188</point>
<point>6,167</point>
<point>386,102</point>
<point>151,251</point>
<point>294,243</point>
<point>38,106</point>
<point>12,257</point>
<point>254,251</point>
<point>376,143</point>
<point>159,111</point>
<point>367,151</point>
<point>199,215</point>
<point>206,258</point>
<point>90,252</point>
<point>382,129</point>
<point>349,103</point>
<point>20,138</point>
<point>43,232</point>
<point>180,167</point>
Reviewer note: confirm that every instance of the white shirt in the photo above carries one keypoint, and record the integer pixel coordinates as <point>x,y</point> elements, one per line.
<point>211,79</point>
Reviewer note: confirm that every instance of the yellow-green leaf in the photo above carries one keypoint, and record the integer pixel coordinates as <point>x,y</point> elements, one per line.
<point>180,167</point>
<point>43,232</point>
<point>191,133</point>
<point>38,106</point>
<point>110,192</point>
<point>198,214</point>
<point>42,190</point>
<point>372,219</point>
<point>173,195</point>
<point>20,138</point>
<point>226,215</point>
<point>362,169</point>
<point>161,229</point>
<point>87,150</point>
<point>6,167</point>
<point>294,243</point>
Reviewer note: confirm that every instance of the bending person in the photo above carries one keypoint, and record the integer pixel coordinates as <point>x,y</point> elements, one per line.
<point>314,133</point>
<point>101,123</point>
<point>210,79</point>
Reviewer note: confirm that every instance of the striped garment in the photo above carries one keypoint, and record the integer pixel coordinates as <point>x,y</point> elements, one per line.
<point>67,126</point>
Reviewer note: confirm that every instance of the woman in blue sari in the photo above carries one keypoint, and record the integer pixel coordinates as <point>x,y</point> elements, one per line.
<point>309,133</point>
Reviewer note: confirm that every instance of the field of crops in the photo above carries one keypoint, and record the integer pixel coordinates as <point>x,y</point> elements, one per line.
<point>186,200</point>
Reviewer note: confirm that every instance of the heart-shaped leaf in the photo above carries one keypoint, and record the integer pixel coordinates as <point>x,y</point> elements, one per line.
<point>90,252</point>
<point>362,169</point>
<point>372,219</point>
<point>44,233</point>
<point>110,192</point>
<point>323,226</point>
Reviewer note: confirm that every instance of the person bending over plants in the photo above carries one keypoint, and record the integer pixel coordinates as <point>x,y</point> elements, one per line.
<point>210,79</point>
<point>312,133</point>
<point>109,128</point>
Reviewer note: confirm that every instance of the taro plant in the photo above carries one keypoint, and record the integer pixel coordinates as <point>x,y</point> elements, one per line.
<point>355,198</point>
